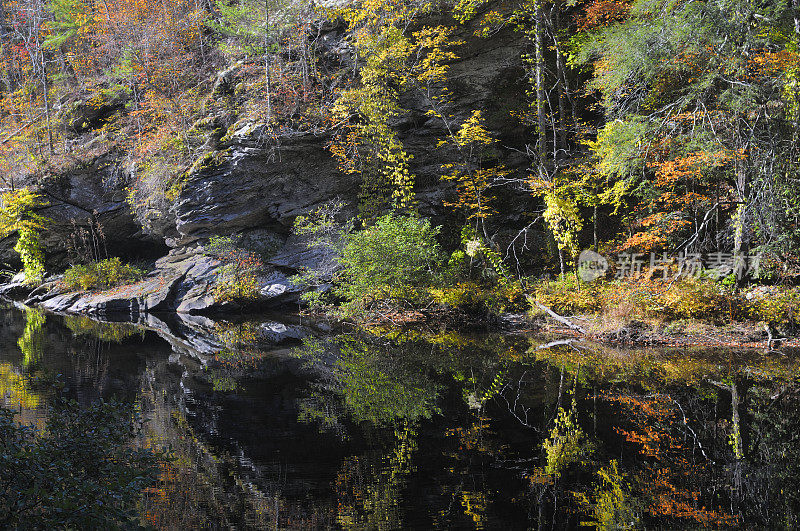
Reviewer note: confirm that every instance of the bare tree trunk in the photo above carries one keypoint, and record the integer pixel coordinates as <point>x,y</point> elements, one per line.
<point>740,243</point>
<point>540,93</point>
<point>796,5</point>
<point>47,106</point>
<point>560,81</point>
<point>3,29</point>
<point>267,60</point>
<point>38,56</point>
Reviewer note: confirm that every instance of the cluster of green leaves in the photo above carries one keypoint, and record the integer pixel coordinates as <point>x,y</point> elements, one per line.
<point>476,280</point>
<point>392,60</point>
<point>80,472</point>
<point>394,259</point>
<point>399,261</point>
<point>104,274</point>
<point>252,27</point>
<point>777,306</point>
<point>326,235</point>
<point>18,214</point>
<point>368,145</point>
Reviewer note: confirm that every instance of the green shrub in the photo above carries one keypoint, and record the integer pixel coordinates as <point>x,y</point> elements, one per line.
<point>101,275</point>
<point>238,277</point>
<point>237,282</point>
<point>393,259</point>
<point>80,472</point>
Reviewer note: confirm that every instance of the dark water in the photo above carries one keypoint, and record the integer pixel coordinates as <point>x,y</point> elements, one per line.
<point>403,429</point>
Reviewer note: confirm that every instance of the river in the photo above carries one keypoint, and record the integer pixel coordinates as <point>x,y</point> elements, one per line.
<point>387,429</point>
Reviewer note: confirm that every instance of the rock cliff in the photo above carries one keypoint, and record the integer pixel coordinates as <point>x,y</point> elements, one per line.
<point>254,183</point>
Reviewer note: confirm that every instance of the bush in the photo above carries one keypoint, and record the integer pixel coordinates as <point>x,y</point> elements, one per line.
<point>473,297</point>
<point>397,261</point>
<point>81,472</point>
<point>238,277</point>
<point>392,259</point>
<point>775,305</point>
<point>101,275</point>
<point>568,295</point>
<point>698,298</point>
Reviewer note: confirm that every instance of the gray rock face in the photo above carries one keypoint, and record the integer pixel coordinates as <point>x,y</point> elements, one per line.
<point>15,288</point>
<point>296,255</point>
<point>96,191</point>
<point>60,303</point>
<point>90,114</point>
<point>277,289</point>
<point>258,183</point>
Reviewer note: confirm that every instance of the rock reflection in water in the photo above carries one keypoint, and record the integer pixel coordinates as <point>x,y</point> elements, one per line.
<point>282,425</point>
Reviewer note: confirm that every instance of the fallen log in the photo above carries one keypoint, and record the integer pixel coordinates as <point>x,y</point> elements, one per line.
<point>559,318</point>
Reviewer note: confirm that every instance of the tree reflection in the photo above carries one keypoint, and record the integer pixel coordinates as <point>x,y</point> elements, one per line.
<point>110,332</point>
<point>688,434</point>
<point>369,488</point>
<point>611,503</point>
<point>371,381</point>
<point>384,429</point>
<point>15,391</point>
<point>32,341</point>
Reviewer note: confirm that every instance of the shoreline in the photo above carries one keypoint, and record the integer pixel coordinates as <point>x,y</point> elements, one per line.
<point>134,304</point>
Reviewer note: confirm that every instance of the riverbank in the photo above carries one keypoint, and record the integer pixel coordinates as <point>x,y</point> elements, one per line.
<point>683,333</point>
<point>181,282</point>
<point>691,312</point>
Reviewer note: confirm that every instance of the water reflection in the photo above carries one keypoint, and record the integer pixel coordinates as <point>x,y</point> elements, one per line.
<point>389,429</point>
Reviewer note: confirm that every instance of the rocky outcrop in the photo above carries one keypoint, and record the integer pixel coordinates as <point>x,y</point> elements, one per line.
<point>183,282</point>
<point>257,181</point>
<point>257,185</point>
<point>254,182</point>
<point>92,111</point>
<point>95,191</point>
